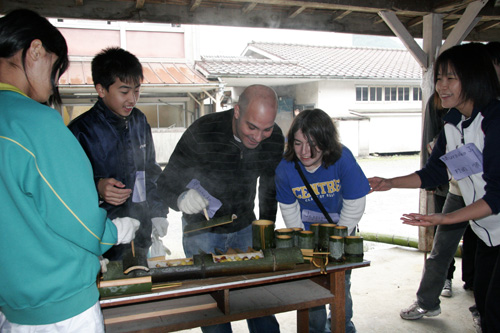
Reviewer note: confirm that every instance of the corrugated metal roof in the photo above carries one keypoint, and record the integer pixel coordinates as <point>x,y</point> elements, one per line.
<point>293,60</point>
<point>155,73</point>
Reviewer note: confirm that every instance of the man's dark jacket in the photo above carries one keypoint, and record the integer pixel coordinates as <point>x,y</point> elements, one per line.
<point>208,152</point>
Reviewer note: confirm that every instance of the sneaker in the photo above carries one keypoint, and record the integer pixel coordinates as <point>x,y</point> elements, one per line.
<point>476,318</point>
<point>446,292</point>
<point>416,312</point>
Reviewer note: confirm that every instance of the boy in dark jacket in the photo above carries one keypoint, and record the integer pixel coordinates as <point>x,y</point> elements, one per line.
<point>118,141</point>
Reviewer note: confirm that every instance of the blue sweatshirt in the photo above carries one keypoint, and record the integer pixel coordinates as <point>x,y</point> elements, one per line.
<point>51,228</point>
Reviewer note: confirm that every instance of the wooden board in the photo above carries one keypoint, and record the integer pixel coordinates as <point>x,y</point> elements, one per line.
<point>129,286</point>
<point>195,226</point>
<point>124,282</point>
<point>157,309</point>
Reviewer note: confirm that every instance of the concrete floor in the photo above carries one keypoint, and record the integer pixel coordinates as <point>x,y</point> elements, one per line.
<point>380,291</point>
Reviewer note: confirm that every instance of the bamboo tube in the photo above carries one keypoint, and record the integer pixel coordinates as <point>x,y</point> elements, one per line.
<point>397,240</point>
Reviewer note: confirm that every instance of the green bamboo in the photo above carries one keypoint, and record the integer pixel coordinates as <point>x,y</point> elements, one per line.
<point>397,240</point>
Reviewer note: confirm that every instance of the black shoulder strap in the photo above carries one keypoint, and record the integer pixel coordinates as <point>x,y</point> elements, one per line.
<point>313,195</point>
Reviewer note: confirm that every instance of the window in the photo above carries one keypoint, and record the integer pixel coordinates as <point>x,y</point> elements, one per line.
<point>403,93</point>
<point>361,94</point>
<point>388,94</point>
<point>417,94</point>
<point>375,93</point>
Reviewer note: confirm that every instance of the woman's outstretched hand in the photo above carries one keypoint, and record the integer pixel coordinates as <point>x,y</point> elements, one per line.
<point>421,220</point>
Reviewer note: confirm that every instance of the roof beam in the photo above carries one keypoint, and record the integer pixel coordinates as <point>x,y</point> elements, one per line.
<point>464,26</point>
<point>194,4</point>
<point>297,11</point>
<point>248,7</point>
<point>487,25</point>
<point>399,30</point>
<point>194,98</point>
<point>433,38</point>
<point>210,96</point>
<point>343,14</point>
<point>451,5</point>
<point>415,21</point>
<point>404,7</point>
<point>450,25</point>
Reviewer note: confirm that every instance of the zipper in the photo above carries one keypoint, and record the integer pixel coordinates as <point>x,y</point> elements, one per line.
<point>241,150</point>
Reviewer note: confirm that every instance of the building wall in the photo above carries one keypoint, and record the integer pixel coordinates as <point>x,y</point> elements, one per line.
<point>145,44</point>
<point>366,127</point>
<point>83,42</point>
<point>307,93</point>
<point>336,97</point>
<point>145,40</point>
<point>395,133</point>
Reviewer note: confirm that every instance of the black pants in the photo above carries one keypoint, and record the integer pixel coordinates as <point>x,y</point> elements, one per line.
<point>468,257</point>
<point>487,286</point>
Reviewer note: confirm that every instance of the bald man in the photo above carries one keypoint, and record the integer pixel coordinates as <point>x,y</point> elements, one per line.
<point>221,156</point>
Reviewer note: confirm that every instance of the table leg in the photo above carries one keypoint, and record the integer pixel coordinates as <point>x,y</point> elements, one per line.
<point>303,321</point>
<point>337,287</point>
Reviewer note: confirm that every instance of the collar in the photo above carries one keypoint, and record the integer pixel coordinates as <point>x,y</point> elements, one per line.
<point>112,118</point>
<point>9,87</point>
<point>454,117</point>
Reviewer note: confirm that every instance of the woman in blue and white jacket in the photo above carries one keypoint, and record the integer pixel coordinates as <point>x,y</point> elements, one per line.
<point>467,149</point>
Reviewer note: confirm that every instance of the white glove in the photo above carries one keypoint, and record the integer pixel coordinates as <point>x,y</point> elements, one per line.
<point>104,264</point>
<point>191,202</point>
<point>161,225</point>
<point>125,228</point>
<point>158,249</point>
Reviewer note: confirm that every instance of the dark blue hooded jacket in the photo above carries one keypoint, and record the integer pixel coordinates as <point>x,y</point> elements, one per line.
<point>121,148</point>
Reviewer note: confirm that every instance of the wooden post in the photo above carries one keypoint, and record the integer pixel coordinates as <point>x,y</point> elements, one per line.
<point>337,285</point>
<point>303,321</point>
<point>433,35</point>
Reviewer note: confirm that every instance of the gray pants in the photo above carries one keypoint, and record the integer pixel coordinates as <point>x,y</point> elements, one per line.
<point>445,245</point>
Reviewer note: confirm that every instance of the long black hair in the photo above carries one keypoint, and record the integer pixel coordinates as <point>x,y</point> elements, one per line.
<point>474,68</point>
<point>19,28</point>
<point>319,130</point>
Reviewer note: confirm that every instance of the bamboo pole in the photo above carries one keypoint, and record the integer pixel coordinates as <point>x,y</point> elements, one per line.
<point>397,240</point>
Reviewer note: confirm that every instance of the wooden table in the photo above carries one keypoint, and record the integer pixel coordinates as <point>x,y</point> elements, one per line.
<point>219,300</point>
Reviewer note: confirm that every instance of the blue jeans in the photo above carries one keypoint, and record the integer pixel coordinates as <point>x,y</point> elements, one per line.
<point>207,241</point>
<point>319,322</point>
<point>444,247</point>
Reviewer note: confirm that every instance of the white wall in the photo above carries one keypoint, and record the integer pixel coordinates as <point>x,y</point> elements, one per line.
<point>165,140</point>
<point>336,97</point>
<point>395,133</point>
<point>354,135</point>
